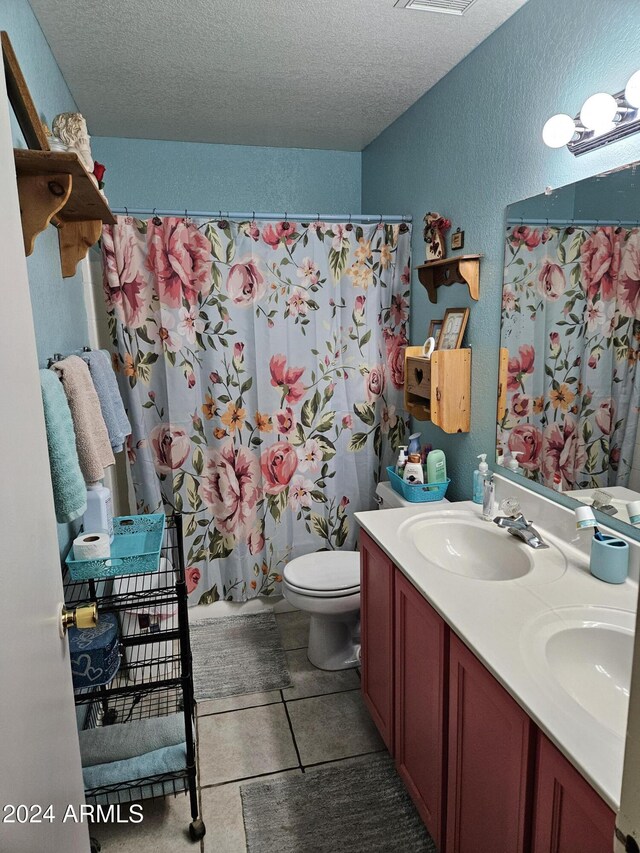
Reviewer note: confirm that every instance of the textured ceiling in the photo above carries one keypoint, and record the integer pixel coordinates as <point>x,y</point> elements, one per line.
<point>291,73</point>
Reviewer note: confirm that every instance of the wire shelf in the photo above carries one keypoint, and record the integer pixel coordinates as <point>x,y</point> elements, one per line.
<point>132,706</point>
<point>160,785</point>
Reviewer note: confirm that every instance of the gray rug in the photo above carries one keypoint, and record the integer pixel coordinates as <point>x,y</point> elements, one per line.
<point>354,807</point>
<point>233,655</point>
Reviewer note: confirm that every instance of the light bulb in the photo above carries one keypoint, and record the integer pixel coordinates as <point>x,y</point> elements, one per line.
<point>558,130</point>
<point>632,92</point>
<point>598,111</point>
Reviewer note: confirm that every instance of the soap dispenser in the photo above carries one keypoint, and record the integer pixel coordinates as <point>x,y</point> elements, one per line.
<point>512,463</point>
<point>402,459</point>
<point>478,479</point>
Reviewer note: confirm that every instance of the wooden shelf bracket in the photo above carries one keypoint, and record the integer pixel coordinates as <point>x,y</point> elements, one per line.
<point>41,197</point>
<point>460,269</point>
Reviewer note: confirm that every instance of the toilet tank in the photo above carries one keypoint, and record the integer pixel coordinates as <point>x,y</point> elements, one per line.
<point>387,498</point>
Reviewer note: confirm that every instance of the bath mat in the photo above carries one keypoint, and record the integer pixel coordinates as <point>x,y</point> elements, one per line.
<point>354,807</point>
<point>233,655</point>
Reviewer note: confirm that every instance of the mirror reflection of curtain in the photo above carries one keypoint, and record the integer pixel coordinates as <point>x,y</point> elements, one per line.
<point>262,366</point>
<point>571,324</point>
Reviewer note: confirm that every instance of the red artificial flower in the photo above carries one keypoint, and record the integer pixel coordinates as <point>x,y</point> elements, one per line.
<point>99,170</point>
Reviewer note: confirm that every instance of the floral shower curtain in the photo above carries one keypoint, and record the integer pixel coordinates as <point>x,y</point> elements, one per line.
<point>570,321</point>
<point>262,366</point>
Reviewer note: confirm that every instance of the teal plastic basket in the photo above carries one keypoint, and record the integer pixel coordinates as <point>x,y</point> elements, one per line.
<point>137,540</point>
<point>418,493</point>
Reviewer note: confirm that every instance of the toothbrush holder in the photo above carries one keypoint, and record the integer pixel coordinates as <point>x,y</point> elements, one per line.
<point>609,559</point>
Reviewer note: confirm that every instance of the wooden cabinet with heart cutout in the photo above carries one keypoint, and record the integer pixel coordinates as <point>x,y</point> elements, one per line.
<point>439,389</point>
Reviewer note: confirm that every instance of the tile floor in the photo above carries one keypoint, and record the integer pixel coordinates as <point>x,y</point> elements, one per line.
<point>319,719</point>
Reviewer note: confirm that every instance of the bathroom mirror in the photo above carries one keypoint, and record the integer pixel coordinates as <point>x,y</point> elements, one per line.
<point>569,394</point>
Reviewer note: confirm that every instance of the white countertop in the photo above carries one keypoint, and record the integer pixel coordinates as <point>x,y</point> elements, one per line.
<point>493,619</point>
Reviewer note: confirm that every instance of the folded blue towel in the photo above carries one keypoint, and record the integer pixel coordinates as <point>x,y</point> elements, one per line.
<point>113,412</point>
<point>169,759</point>
<point>120,741</point>
<point>69,490</point>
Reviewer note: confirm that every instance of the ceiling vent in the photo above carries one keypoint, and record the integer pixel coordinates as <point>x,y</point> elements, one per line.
<point>445,7</point>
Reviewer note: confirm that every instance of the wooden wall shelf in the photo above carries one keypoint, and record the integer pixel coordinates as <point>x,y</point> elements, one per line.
<point>439,389</point>
<point>459,269</point>
<point>54,187</point>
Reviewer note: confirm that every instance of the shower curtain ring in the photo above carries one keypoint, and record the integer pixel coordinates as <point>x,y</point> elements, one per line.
<point>350,218</point>
<point>318,217</point>
<point>155,218</point>
<point>126,211</point>
<point>380,220</point>
<point>285,218</point>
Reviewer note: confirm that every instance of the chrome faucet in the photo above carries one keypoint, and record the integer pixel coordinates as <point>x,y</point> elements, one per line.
<point>519,527</point>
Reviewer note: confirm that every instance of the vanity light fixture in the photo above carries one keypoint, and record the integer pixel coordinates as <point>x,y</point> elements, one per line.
<point>603,119</point>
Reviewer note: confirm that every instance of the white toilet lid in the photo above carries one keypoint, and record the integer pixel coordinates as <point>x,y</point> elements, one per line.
<point>325,572</point>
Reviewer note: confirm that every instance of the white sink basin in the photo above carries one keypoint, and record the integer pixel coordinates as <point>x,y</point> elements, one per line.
<point>466,545</point>
<point>587,652</point>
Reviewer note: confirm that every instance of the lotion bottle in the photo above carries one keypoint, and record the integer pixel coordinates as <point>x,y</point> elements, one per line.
<point>413,472</point>
<point>98,517</point>
<point>402,460</point>
<point>436,467</point>
<point>478,479</point>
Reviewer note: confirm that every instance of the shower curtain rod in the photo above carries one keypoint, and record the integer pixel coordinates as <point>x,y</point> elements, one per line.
<point>301,217</point>
<point>524,220</point>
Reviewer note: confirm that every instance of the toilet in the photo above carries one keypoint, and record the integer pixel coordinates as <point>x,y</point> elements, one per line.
<point>326,584</point>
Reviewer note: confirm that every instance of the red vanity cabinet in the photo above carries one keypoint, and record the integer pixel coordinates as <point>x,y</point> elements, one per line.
<point>421,650</point>
<point>490,759</point>
<point>483,777</point>
<point>569,815</point>
<point>376,628</point>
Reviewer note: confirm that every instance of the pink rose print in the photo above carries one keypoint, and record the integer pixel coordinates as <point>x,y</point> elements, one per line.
<point>405,278</point>
<point>563,452</point>
<point>520,405</point>
<point>278,464</point>
<point>399,310</point>
<point>281,232</point>
<point>256,539</point>
<point>600,262</point>
<point>286,378</point>
<point>358,309</point>
<point>347,422</point>
<point>245,283</point>
<point>230,487</point>
<point>285,421</point>
<point>628,289</point>
<point>508,300</point>
<point>238,352</point>
<point>551,281</point>
<point>375,383</point>
<point>395,346</point>
<point>554,343</point>
<point>125,280</point>
<point>254,232</point>
<point>523,235</point>
<point>520,365</point>
<point>526,439</point>
<point>605,415</point>
<point>180,257</point>
<point>170,446</point>
<point>192,577</point>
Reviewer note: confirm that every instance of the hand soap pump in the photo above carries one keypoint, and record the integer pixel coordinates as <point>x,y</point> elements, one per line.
<point>402,459</point>
<point>478,479</point>
<point>413,472</point>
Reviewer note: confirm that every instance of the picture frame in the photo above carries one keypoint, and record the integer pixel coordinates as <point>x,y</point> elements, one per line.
<point>435,327</point>
<point>20,99</point>
<point>453,328</point>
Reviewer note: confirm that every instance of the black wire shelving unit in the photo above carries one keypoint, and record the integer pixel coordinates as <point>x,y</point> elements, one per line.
<point>155,675</point>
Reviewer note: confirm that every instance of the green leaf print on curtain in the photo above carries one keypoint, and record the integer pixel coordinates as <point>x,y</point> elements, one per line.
<point>262,365</point>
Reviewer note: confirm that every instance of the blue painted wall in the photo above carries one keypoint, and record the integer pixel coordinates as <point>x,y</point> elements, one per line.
<point>472,145</point>
<point>58,304</point>
<point>145,173</point>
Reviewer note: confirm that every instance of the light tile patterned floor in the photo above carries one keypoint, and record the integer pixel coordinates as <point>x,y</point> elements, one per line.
<point>319,719</point>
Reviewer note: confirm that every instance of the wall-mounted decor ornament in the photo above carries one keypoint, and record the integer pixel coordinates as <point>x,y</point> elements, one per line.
<point>71,128</point>
<point>435,227</point>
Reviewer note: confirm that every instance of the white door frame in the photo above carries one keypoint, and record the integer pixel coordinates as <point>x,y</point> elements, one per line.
<point>39,751</point>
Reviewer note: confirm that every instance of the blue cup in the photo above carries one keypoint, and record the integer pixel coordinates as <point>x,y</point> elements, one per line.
<point>609,559</point>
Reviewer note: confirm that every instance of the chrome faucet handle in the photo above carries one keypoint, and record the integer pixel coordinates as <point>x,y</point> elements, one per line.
<point>510,507</point>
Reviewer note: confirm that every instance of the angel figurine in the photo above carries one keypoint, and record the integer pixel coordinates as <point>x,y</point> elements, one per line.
<point>71,128</point>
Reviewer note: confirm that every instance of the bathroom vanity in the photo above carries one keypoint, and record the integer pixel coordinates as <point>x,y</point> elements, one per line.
<point>497,676</point>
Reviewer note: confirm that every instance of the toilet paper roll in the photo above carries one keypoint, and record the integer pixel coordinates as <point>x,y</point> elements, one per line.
<point>91,546</point>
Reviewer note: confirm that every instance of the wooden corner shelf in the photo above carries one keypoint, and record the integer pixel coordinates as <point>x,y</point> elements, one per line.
<point>459,269</point>
<point>54,187</point>
<point>439,389</point>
